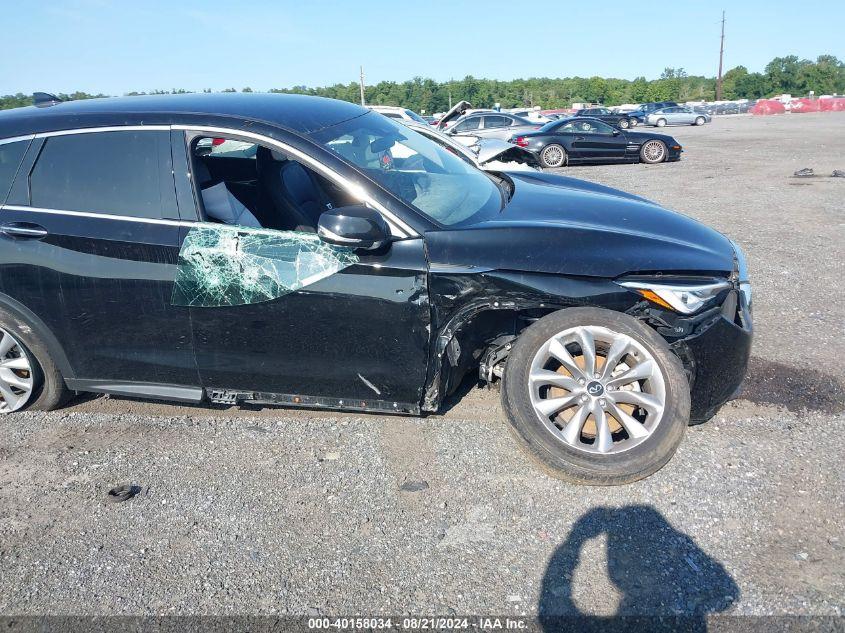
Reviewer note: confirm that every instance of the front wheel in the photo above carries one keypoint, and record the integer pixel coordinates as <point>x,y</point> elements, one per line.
<point>553,156</point>
<point>699,120</point>
<point>624,124</point>
<point>653,151</point>
<point>596,396</point>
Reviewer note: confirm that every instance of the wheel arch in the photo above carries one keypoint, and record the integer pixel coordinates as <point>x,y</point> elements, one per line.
<point>28,324</point>
<point>495,308</point>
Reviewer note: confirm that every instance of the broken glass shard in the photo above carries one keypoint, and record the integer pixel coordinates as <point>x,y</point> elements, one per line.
<point>222,265</point>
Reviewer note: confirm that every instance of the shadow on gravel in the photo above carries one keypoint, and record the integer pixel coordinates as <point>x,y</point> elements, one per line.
<point>657,570</point>
<point>796,388</point>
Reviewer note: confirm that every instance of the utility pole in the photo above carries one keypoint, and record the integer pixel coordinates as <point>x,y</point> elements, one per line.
<point>721,54</point>
<point>362,85</point>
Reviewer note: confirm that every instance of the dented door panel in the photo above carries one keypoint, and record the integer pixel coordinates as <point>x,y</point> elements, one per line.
<point>360,332</point>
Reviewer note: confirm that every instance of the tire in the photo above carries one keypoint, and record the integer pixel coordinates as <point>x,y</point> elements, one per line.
<point>653,152</point>
<point>553,155</point>
<point>624,124</point>
<point>700,120</point>
<point>661,123</point>
<point>48,390</point>
<point>634,123</point>
<point>630,456</point>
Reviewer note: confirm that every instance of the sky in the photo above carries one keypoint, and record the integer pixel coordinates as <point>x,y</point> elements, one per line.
<point>99,46</point>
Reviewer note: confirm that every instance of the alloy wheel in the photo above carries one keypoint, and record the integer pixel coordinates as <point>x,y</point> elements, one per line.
<point>597,390</point>
<point>16,381</point>
<point>554,156</point>
<point>654,151</point>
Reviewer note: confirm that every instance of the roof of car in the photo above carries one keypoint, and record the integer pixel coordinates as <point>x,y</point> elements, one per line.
<point>300,113</point>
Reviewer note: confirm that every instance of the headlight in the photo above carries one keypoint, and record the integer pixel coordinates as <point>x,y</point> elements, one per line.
<point>745,289</point>
<point>742,274</point>
<point>683,297</point>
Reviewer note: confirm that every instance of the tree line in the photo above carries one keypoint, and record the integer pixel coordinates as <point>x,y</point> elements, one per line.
<point>787,74</point>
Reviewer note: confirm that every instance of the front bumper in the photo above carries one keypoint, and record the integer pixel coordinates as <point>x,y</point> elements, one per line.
<point>714,347</point>
<point>719,358</point>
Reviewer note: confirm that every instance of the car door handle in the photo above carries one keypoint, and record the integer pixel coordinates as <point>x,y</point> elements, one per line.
<point>23,230</point>
<point>579,138</point>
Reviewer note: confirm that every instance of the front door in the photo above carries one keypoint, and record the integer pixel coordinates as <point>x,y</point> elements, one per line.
<point>281,316</point>
<point>597,141</point>
<point>91,239</point>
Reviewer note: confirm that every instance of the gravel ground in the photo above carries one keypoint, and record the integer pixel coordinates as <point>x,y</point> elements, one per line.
<point>274,511</point>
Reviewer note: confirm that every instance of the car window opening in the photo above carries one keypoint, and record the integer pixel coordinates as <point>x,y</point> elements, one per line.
<point>240,183</point>
<point>435,182</point>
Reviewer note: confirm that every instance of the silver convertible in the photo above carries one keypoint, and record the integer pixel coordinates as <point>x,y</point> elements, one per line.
<point>677,115</point>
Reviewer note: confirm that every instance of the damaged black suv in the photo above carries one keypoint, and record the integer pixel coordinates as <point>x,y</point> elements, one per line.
<point>300,251</point>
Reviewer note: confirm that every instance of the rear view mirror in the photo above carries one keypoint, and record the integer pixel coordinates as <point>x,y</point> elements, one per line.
<point>355,226</point>
<point>382,144</point>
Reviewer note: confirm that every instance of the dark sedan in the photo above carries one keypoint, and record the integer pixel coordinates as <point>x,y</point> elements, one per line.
<point>588,140</point>
<point>603,114</point>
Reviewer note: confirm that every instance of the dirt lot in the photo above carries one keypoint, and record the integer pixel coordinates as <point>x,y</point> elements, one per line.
<point>278,511</point>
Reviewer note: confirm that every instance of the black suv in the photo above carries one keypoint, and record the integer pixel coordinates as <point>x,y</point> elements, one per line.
<point>301,251</point>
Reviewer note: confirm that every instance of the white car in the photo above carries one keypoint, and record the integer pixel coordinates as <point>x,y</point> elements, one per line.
<point>402,114</point>
<point>485,153</point>
<point>533,115</point>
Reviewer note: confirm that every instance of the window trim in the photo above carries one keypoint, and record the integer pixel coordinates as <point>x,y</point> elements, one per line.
<point>17,139</point>
<point>164,183</point>
<point>398,226</point>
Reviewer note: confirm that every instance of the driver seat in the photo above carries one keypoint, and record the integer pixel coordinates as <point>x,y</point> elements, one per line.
<point>292,190</point>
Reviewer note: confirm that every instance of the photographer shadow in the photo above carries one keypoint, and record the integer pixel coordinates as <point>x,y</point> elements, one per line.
<point>665,581</point>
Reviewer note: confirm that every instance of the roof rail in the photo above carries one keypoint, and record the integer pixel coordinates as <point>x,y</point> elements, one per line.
<point>45,99</point>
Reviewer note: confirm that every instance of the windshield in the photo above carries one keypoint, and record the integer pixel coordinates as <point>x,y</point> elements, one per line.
<point>434,181</point>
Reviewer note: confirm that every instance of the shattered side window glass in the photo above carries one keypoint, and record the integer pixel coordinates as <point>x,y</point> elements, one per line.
<point>222,265</point>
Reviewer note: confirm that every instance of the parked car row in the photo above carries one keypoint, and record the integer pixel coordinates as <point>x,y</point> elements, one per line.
<point>594,135</point>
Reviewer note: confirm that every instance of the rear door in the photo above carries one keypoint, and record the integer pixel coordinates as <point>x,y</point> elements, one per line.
<point>90,239</point>
<point>685,115</point>
<point>496,126</point>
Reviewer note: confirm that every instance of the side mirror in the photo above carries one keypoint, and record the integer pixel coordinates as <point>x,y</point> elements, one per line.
<point>355,226</point>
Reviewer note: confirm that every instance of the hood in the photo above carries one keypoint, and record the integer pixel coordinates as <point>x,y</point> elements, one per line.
<point>564,226</point>
<point>457,111</point>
